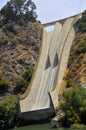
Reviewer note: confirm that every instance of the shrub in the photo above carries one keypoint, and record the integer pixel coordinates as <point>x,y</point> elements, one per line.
<point>28,74</point>
<point>8,113</point>
<point>69,63</point>
<point>77,126</point>
<point>10,28</point>
<point>81,48</point>
<point>69,82</point>
<point>23,82</point>
<point>21,85</point>
<point>4,84</point>
<point>82,26</point>
<point>9,34</point>
<point>1,76</point>
<point>3,40</point>
<point>74,106</point>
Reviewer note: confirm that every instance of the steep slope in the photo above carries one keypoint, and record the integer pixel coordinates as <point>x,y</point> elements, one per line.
<point>19,49</point>
<point>75,74</point>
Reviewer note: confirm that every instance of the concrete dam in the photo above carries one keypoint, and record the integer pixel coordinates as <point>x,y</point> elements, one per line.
<point>42,99</point>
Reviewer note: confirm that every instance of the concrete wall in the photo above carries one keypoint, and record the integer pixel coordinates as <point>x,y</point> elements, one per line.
<point>41,101</point>
<point>63,51</point>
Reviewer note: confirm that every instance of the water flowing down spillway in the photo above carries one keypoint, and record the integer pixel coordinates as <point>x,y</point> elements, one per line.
<point>41,101</point>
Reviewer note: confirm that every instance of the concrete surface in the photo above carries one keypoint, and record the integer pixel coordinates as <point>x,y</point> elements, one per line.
<point>42,100</point>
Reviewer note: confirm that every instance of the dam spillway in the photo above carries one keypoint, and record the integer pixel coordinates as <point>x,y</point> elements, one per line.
<point>42,99</point>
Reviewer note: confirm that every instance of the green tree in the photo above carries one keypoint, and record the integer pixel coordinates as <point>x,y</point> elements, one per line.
<point>16,10</point>
<point>7,12</point>
<point>74,106</point>
<point>8,113</point>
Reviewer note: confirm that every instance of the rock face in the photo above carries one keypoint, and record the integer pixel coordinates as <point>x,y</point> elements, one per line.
<point>77,62</point>
<point>20,51</point>
<point>75,73</point>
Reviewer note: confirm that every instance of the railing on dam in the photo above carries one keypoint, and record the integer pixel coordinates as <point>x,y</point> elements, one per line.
<point>60,21</point>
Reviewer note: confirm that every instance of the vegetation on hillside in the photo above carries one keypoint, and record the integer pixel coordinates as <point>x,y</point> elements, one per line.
<point>77,59</point>
<point>9,106</point>
<point>4,85</point>
<point>13,18</point>
<point>20,39</point>
<point>19,46</point>
<point>74,106</point>
<point>81,47</point>
<point>23,82</point>
<point>8,113</point>
<point>82,23</point>
<point>18,11</point>
<point>73,100</point>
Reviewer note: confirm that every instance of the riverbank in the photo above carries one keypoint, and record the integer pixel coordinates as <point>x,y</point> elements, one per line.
<point>45,126</point>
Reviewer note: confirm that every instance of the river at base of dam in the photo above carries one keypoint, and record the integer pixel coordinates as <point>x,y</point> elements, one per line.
<point>43,127</point>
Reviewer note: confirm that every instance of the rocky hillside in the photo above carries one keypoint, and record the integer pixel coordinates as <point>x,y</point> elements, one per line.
<point>77,62</point>
<point>19,49</point>
<point>76,71</point>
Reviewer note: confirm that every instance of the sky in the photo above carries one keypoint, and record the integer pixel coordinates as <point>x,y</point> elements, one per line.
<point>52,10</point>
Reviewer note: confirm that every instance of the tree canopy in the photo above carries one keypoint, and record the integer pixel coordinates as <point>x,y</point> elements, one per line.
<point>8,113</point>
<point>74,106</point>
<point>17,10</point>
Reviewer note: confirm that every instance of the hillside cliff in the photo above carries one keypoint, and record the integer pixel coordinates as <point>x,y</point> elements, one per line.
<point>19,49</point>
<point>75,74</point>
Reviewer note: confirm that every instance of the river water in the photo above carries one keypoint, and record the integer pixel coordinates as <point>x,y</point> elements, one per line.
<point>43,127</point>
